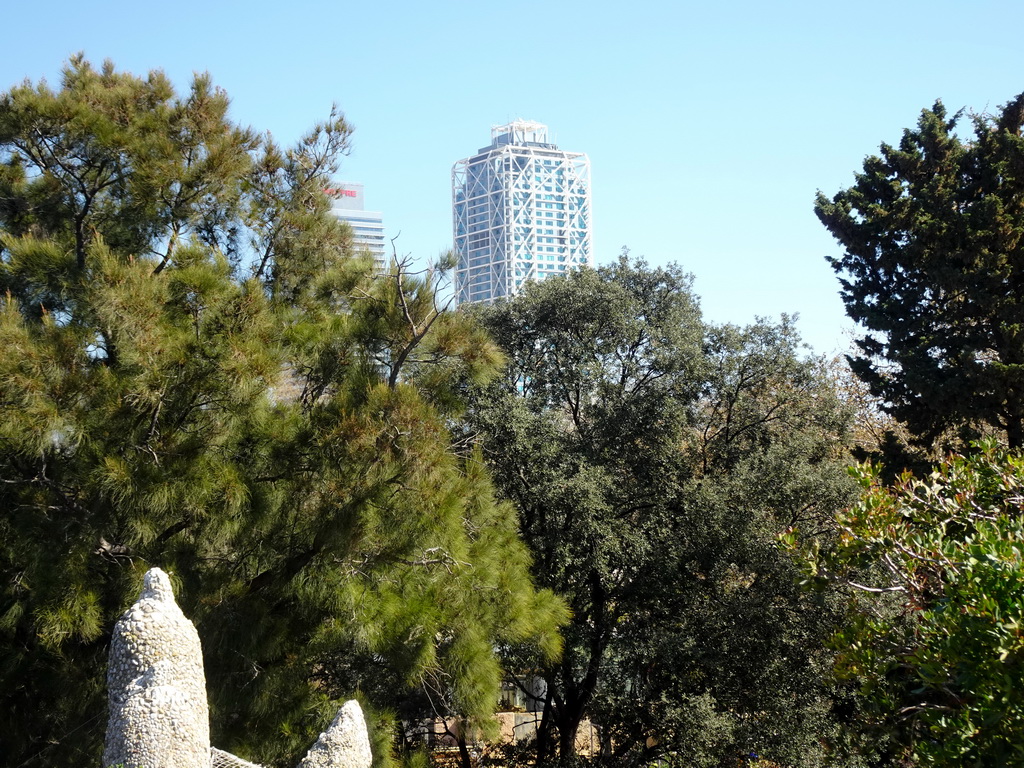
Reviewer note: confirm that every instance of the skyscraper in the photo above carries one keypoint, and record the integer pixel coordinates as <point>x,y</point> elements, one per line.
<point>347,203</point>
<point>521,211</point>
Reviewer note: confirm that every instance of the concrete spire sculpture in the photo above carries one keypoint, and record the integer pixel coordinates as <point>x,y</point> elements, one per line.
<point>345,743</point>
<point>156,686</point>
<point>158,712</point>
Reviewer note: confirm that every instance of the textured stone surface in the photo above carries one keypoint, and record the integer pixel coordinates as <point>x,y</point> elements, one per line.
<point>345,744</point>
<point>221,759</point>
<point>158,714</point>
<point>159,717</point>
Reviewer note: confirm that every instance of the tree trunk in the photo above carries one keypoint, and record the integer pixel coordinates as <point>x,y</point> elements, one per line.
<point>465,759</point>
<point>545,747</point>
<point>1014,423</point>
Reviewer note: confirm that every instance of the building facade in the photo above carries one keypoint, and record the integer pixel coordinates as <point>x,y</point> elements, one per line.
<point>348,204</point>
<point>521,211</point>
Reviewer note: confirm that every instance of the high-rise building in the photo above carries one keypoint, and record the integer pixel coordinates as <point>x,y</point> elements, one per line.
<point>347,204</point>
<point>521,210</point>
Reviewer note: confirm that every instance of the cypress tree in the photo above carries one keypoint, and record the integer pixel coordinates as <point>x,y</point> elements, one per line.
<point>933,269</point>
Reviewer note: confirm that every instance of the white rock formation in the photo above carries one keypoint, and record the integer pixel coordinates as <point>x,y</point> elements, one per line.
<point>158,714</point>
<point>345,743</point>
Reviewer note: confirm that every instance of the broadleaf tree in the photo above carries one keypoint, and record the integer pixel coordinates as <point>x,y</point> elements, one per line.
<point>933,269</point>
<point>933,570</point>
<point>199,373</point>
<point>654,460</point>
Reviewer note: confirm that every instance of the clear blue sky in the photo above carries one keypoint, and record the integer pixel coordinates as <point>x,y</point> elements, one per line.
<point>709,127</point>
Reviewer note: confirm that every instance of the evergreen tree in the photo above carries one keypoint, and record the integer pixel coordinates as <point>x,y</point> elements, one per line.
<point>198,374</point>
<point>933,269</point>
<point>654,461</point>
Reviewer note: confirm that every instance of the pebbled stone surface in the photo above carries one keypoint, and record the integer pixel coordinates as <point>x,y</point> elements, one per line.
<point>345,743</point>
<point>156,687</point>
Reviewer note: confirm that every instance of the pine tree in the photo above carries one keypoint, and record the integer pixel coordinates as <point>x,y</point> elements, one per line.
<point>198,374</point>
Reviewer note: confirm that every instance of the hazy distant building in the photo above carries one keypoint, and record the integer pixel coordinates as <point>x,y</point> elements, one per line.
<point>521,211</point>
<point>347,203</point>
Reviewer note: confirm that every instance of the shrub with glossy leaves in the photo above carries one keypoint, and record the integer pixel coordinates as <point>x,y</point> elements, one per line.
<point>935,572</point>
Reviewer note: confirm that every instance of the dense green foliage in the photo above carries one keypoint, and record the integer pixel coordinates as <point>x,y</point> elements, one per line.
<point>935,575</point>
<point>933,269</point>
<point>196,373</point>
<point>654,460</point>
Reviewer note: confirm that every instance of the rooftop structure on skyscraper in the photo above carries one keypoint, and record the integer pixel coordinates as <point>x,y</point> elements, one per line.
<point>521,211</point>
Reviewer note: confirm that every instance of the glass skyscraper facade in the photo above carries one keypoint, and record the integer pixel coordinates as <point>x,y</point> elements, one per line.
<point>347,204</point>
<point>521,211</point>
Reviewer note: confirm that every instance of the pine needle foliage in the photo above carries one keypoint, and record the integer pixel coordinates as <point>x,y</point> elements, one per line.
<point>197,373</point>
